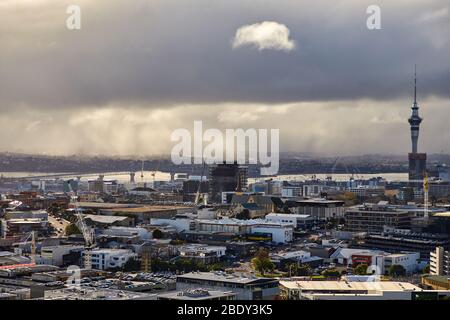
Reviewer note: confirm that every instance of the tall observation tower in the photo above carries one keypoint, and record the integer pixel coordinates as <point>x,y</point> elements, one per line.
<point>417,161</point>
<point>415,120</point>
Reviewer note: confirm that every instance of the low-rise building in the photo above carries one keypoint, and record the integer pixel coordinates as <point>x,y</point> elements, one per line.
<point>54,255</point>
<point>104,259</point>
<point>299,221</point>
<point>198,295</point>
<point>245,287</point>
<point>202,253</point>
<point>14,227</point>
<point>345,290</point>
<point>276,231</point>
<point>320,209</point>
<point>95,294</point>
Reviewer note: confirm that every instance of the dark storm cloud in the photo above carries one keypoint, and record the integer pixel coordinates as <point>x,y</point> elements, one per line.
<point>139,69</point>
<point>154,53</point>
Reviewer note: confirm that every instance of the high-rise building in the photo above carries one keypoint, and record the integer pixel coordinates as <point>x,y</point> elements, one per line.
<point>226,177</point>
<point>417,161</point>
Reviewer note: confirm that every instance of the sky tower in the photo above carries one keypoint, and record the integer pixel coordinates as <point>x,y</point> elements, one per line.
<point>417,161</point>
<point>415,120</point>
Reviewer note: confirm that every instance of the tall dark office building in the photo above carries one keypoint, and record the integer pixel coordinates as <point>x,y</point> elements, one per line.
<point>226,177</point>
<point>417,161</point>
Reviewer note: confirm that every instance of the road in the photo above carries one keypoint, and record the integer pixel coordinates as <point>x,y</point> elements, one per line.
<point>60,226</point>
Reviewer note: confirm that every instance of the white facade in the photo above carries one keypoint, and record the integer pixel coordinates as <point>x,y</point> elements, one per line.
<point>440,262</point>
<point>180,224</point>
<point>53,255</point>
<point>103,259</point>
<point>344,290</point>
<point>291,192</point>
<point>142,233</point>
<point>280,234</point>
<point>202,252</point>
<point>297,220</point>
<point>408,260</point>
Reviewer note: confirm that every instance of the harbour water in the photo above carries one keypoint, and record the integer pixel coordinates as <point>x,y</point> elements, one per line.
<point>164,176</point>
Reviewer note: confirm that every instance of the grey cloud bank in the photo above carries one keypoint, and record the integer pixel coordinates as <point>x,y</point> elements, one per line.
<point>136,62</point>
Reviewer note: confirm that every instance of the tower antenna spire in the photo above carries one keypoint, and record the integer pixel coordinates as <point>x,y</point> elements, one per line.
<point>415,83</point>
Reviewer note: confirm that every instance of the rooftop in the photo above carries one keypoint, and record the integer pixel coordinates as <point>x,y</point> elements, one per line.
<point>349,286</point>
<point>104,219</point>
<point>224,277</point>
<point>196,294</point>
<point>96,294</point>
<point>146,209</point>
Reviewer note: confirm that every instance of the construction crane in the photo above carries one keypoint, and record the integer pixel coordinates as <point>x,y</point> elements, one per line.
<point>32,235</point>
<point>87,233</point>
<point>425,196</point>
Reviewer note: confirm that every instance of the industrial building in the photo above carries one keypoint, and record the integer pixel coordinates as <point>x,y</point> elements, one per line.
<point>354,290</point>
<point>198,295</point>
<point>245,287</point>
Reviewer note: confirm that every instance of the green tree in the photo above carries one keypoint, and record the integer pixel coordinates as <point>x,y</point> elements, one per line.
<point>72,229</point>
<point>397,270</point>
<point>261,262</point>
<point>331,273</point>
<point>299,270</point>
<point>361,269</point>
<point>426,270</point>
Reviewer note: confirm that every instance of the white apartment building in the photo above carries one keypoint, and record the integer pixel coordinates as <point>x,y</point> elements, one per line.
<point>297,220</point>
<point>103,259</point>
<point>440,262</point>
<point>280,232</point>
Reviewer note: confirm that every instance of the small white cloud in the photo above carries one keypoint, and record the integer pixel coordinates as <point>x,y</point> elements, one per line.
<point>435,15</point>
<point>264,35</point>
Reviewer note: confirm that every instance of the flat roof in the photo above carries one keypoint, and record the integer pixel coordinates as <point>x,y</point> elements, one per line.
<point>146,209</point>
<point>201,295</point>
<point>224,277</point>
<point>442,214</point>
<point>96,294</point>
<point>292,215</point>
<point>346,286</point>
<point>320,201</point>
<point>104,219</point>
<point>104,205</point>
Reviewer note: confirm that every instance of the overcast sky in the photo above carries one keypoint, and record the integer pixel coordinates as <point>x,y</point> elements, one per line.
<point>138,69</point>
